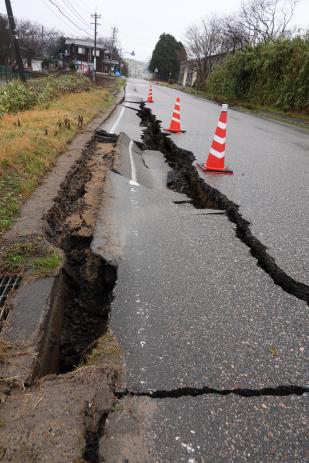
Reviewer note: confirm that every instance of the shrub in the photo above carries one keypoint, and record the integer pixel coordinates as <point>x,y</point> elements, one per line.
<point>275,73</point>
<point>16,96</point>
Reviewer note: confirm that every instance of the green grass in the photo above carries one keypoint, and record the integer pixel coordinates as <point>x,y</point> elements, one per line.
<point>29,148</point>
<point>46,264</point>
<point>33,255</point>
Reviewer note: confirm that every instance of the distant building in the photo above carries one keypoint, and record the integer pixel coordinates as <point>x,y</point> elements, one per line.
<point>188,74</point>
<point>138,69</point>
<point>81,53</point>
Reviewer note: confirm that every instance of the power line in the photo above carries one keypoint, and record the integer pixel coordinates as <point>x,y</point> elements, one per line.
<point>57,15</point>
<point>75,12</point>
<point>67,17</point>
<point>81,7</point>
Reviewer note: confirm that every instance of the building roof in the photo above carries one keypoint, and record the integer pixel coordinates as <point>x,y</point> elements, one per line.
<point>85,43</point>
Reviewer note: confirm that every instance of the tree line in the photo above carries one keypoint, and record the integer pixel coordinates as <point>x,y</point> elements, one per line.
<point>257,21</point>
<point>253,55</point>
<point>35,41</point>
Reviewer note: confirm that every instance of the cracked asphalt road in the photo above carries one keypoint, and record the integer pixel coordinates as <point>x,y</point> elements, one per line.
<point>192,309</point>
<point>271,173</point>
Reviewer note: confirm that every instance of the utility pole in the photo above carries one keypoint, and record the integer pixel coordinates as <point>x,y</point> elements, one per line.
<point>114,38</point>
<point>19,60</point>
<point>96,24</point>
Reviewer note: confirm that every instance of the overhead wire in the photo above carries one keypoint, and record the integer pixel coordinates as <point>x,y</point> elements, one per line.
<point>73,10</point>
<point>57,15</point>
<point>81,7</point>
<point>68,18</point>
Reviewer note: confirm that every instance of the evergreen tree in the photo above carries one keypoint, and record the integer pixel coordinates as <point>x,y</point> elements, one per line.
<point>167,56</point>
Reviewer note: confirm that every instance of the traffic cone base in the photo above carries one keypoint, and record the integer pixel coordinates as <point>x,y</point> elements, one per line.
<point>174,131</point>
<point>175,122</point>
<point>211,170</point>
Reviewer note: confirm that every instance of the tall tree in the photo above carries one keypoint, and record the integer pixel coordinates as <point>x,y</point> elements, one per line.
<point>204,44</point>
<point>167,56</point>
<point>5,41</point>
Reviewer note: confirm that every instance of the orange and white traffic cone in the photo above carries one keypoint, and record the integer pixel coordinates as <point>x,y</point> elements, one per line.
<point>149,97</point>
<point>216,156</point>
<point>175,122</point>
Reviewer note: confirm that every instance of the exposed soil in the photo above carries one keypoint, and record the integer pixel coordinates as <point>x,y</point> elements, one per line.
<point>48,423</point>
<point>89,279</point>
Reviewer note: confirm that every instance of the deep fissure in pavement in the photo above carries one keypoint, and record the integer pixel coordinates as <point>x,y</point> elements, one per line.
<point>89,279</point>
<point>279,391</point>
<point>185,179</point>
<point>94,430</point>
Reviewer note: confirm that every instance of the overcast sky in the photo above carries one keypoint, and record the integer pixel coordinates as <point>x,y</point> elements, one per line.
<point>139,22</point>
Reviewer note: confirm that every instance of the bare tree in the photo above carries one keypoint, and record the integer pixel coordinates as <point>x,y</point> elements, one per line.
<point>204,44</point>
<point>265,20</point>
<point>234,36</point>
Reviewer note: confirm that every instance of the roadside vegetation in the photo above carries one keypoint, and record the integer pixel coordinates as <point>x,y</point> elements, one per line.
<point>273,73</point>
<point>32,139</point>
<point>33,255</point>
<point>16,96</point>
<point>251,58</point>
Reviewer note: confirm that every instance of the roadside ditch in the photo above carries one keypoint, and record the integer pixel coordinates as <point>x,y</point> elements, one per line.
<point>89,279</point>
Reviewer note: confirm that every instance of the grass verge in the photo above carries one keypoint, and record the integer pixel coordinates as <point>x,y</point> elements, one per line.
<point>31,254</point>
<point>31,141</point>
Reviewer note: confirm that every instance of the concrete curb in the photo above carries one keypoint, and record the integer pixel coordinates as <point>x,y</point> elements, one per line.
<point>33,329</point>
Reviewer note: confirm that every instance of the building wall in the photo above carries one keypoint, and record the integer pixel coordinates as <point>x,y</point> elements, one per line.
<point>188,73</point>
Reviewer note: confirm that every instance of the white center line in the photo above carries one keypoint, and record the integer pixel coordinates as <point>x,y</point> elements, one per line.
<point>112,130</point>
<point>133,168</point>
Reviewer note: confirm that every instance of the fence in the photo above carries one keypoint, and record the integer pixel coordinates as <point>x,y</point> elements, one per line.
<point>7,73</point>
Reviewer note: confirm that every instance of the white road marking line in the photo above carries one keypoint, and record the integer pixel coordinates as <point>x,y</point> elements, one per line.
<point>133,168</point>
<point>112,130</point>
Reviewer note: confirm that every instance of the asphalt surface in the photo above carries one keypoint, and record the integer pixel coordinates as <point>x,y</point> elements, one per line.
<point>232,327</point>
<point>271,171</point>
<point>208,429</point>
<point>191,309</point>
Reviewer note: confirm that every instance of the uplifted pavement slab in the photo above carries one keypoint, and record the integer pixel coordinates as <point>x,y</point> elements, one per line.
<point>191,308</point>
<point>208,429</point>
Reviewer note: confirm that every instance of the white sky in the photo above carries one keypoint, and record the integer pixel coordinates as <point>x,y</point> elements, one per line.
<point>140,22</point>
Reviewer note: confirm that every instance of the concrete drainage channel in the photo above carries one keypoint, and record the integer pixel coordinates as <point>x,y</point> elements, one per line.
<point>185,179</point>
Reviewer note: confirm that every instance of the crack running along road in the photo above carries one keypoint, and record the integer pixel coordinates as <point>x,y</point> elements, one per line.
<point>244,343</point>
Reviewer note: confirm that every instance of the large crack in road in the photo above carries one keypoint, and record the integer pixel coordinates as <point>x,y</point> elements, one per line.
<point>186,180</point>
<point>89,279</point>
